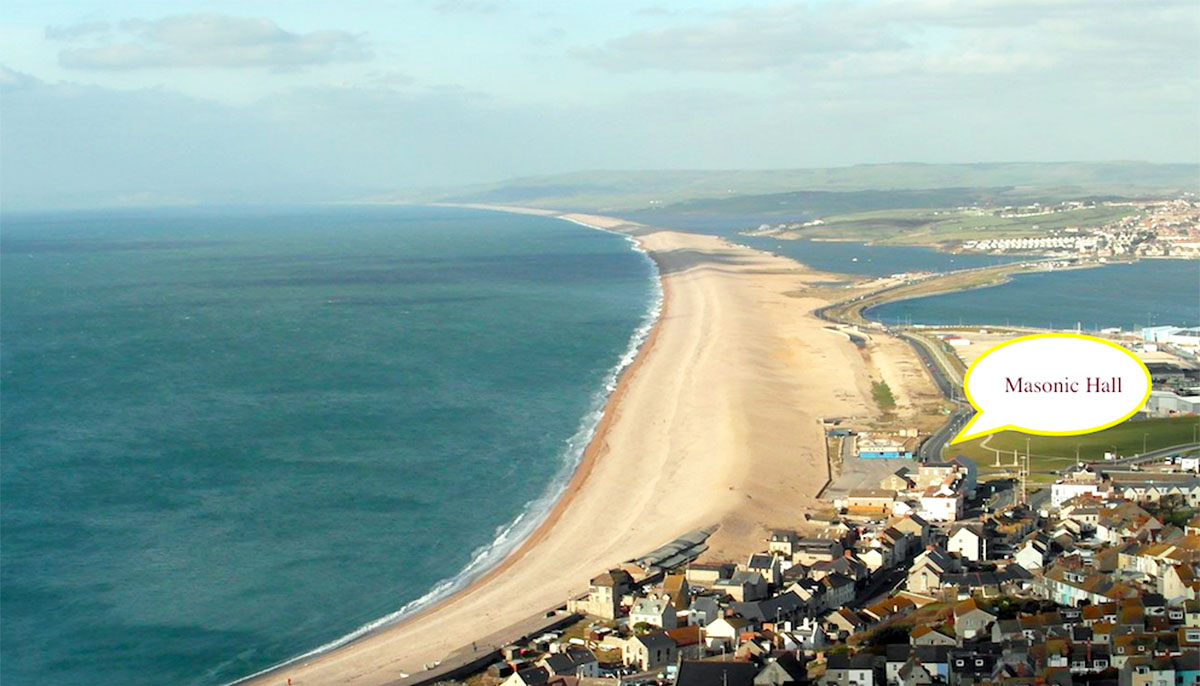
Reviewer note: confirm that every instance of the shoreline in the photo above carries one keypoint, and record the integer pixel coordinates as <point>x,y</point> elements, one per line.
<point>579,472</point>
<point>715,421</point>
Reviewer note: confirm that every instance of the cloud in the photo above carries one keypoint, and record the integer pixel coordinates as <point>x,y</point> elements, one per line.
<point>76,31</point>
<point>465,7</point>
<point>13,80</point>
<point>748,39</point>
<point>883,38</point>
<point>214,40</point>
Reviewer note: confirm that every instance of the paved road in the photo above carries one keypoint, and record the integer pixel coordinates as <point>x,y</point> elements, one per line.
<point>944,376</point>
<point>879,587</point>
<point>1149,456</point>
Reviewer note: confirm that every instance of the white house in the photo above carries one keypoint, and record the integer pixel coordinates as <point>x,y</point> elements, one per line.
<point>808,635</point>
<point>657,612</point>
<point>1082,482</point>
<point>1031,554</point>
<point>968,541</point>
<point>941,504</point>
<point>724,633</point>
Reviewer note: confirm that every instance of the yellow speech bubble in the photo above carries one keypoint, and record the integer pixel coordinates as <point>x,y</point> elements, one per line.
<point>1053,384</point>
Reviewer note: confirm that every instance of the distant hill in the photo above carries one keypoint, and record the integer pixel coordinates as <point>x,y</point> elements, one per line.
<point>838,189</point>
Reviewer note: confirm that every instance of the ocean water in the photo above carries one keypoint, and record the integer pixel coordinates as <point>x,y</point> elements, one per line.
<point>838,257</point>
<point>1130,296</point>
<point>230,437</point>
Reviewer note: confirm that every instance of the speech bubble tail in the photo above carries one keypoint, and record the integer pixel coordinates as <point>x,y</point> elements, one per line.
<point>978,426</point>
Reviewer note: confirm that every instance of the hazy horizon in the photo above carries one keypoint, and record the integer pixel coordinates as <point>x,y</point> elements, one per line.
<point>216,102</point>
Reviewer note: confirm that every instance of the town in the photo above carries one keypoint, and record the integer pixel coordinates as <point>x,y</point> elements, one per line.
<point>918,571</point>
<point>1097,584</point>
<point>1158,229</point>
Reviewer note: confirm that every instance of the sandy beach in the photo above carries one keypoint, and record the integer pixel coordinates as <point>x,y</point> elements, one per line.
<point>716,422</point>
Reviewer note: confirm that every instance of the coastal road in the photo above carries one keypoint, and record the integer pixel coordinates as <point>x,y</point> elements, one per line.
<point>945,377</point>
<point>944,374</point>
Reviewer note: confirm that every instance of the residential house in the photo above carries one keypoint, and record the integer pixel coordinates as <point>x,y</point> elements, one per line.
<point>724,633</point>
<point>913,673</point>
<point>943,503</point>
<point>689,642</point>
<point>742,586</point>
<point>862,669</point>
<point>658,612</point>
<point>1079,482</point>
<point>808,635</point>
<point>972,665</point>
<point>782,543</point>
<point>968,541</point>
<point>839,589</point>
<point>575,661</point>
<point>1031,554</point>
<point>604,594</point>
<point>528,676</point>
<point>809,551</point>
<point>927,636</point>
<point>889,608</point>
<point>844,622</point>
<point>703,610</point>
<point>971,620</point>
<point>811,593</point>
<point>1182,670</point>
<point>899,481</point>
<point>925,574</point>
<point>677,589</point>
<point>706,575</point>
<point>874,559</point>
<point>649,651</point>
<point>784,670</point>
<point>766,565</point>
<point>845,565</point>
<point>961,467</point>
<point>934,660</point>
<point>917,528</point>
<point>785,607</point>
<point>870,502</point>
<point>696,673</point>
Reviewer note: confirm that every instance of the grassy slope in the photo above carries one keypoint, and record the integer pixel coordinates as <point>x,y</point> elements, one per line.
<point>1052,453</point>
<point>922,226</point>
<point>629,190</point>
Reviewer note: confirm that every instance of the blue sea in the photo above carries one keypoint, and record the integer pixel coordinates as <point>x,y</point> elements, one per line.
<point>230,437</point>
<point>1130,296</point>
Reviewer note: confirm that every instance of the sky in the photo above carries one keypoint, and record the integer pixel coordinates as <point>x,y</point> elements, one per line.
<point>152,103</point>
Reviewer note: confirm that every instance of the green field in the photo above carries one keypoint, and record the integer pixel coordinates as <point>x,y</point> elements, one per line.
<point>924,226</point>
<point>1053,453</point>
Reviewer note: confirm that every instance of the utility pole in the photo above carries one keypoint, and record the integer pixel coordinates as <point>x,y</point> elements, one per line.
<point>1023,476</point>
